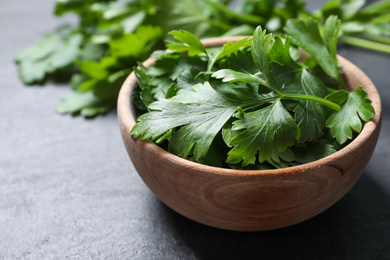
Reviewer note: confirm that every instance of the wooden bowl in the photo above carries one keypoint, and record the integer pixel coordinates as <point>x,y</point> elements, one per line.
<point>250,200</point>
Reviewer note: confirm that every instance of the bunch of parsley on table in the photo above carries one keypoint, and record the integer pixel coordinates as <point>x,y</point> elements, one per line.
<point>251,104</point>
<point>97,53</point>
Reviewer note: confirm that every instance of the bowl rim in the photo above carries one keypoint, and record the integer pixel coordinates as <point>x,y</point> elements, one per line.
<point>126,117</point>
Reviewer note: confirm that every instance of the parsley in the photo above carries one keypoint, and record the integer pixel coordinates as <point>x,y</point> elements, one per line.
<point>321,46</point>
<point>55,52</point>
<point>263,131</point>
<point>203,112</point>
<point>355,108</point>
<point>362,25</point>
<point>267,113</point>
<point>94,55</point>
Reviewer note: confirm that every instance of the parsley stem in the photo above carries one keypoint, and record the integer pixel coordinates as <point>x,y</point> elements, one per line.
<point>364,43</point>
<point>278,92</point>
<point>266,84</point>
<point>249,18</point>
<point>219,24</point>
<point>376,38</point>
<point>322,101</point>
<point>165,136</point>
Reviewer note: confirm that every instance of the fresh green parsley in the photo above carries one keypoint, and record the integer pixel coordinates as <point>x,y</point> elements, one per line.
<point>250,104</point>
<point>112,36</point>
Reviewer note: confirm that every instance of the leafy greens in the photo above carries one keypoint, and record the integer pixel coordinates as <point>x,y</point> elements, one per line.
<point>97,53</point>
<point>261,115</point>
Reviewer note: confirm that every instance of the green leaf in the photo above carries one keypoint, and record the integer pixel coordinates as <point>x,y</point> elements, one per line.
<point>311,116</point>
<point>135,44</point>
<point>97,70</point>
<point>306,34</point>
<point>352,27</point>
<point>228,134</point>
<point>41,49</point>
<point>160,87</point>
<point>331,7</point>
<point>33,71</point>
<point>233,48</point>
<point>379,7</point>
<point>77,80</point>
<point>385,18</point>
<point>91,51</point>
<point>329,34</point>
<point>338,96</point>
<point>280,53</point>
<point>48,55</point>
<point>273,59</point>
<point>67,53</point>
<point>355,108</point>
<point>243,29</point>
<point>187,66</point>
<point>190,15</point>
<point>144,78</point>
<point>245,94</point>
<point>350,8</point>
<point>76,6</point>
<point>248,18</point>
<point>262,131</point>
<point>84,103</point>
<point>200,114</point>
<point>281,159</point>
<point>227,50</point>
<point>64,6</point>
<point>89,85</point>
<point>118,75</point>
<point>242,62</point>
<point>318,149</point>
<point>283,69</point>
<point>261,48</point>
<point>228,75</point>
<point>344,9</point>
<point>190,43</point>
<point>216,155</point>
<point>132,22</point>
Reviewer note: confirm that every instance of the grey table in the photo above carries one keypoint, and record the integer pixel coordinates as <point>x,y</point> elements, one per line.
<point>69,191</point>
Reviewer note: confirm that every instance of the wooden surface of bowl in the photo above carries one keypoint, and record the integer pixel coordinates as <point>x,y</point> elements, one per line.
<point>250,200</point>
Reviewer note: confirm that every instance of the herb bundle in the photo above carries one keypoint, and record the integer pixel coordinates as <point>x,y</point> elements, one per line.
<point>97,53</point>
<point>252,104</point>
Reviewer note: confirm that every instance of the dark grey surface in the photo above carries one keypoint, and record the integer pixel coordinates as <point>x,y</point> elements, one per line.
<point>69,191</point>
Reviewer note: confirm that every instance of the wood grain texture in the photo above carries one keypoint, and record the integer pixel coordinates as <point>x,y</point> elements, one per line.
<point>250,200</point>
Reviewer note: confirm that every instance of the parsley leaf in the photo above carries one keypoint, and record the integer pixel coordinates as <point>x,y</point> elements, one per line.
<point>190,43</point>
<point>104,77</point>
<point>281,159</point>
<point>322,47</point>
<point>85,103</point>
<point>311,116</point>
<point>48,55</point>
<point>228,75</point>
<point>318,149</point>
<point>201,113</point>
<point>261,48</point>
<point>227,50</point>
<point>355,107</point>
<point>262,131</point>
<point>109,27</point>
<point>141,42</point>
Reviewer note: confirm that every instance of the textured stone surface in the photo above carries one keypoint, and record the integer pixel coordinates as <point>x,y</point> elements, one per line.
<point>69,191</point>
